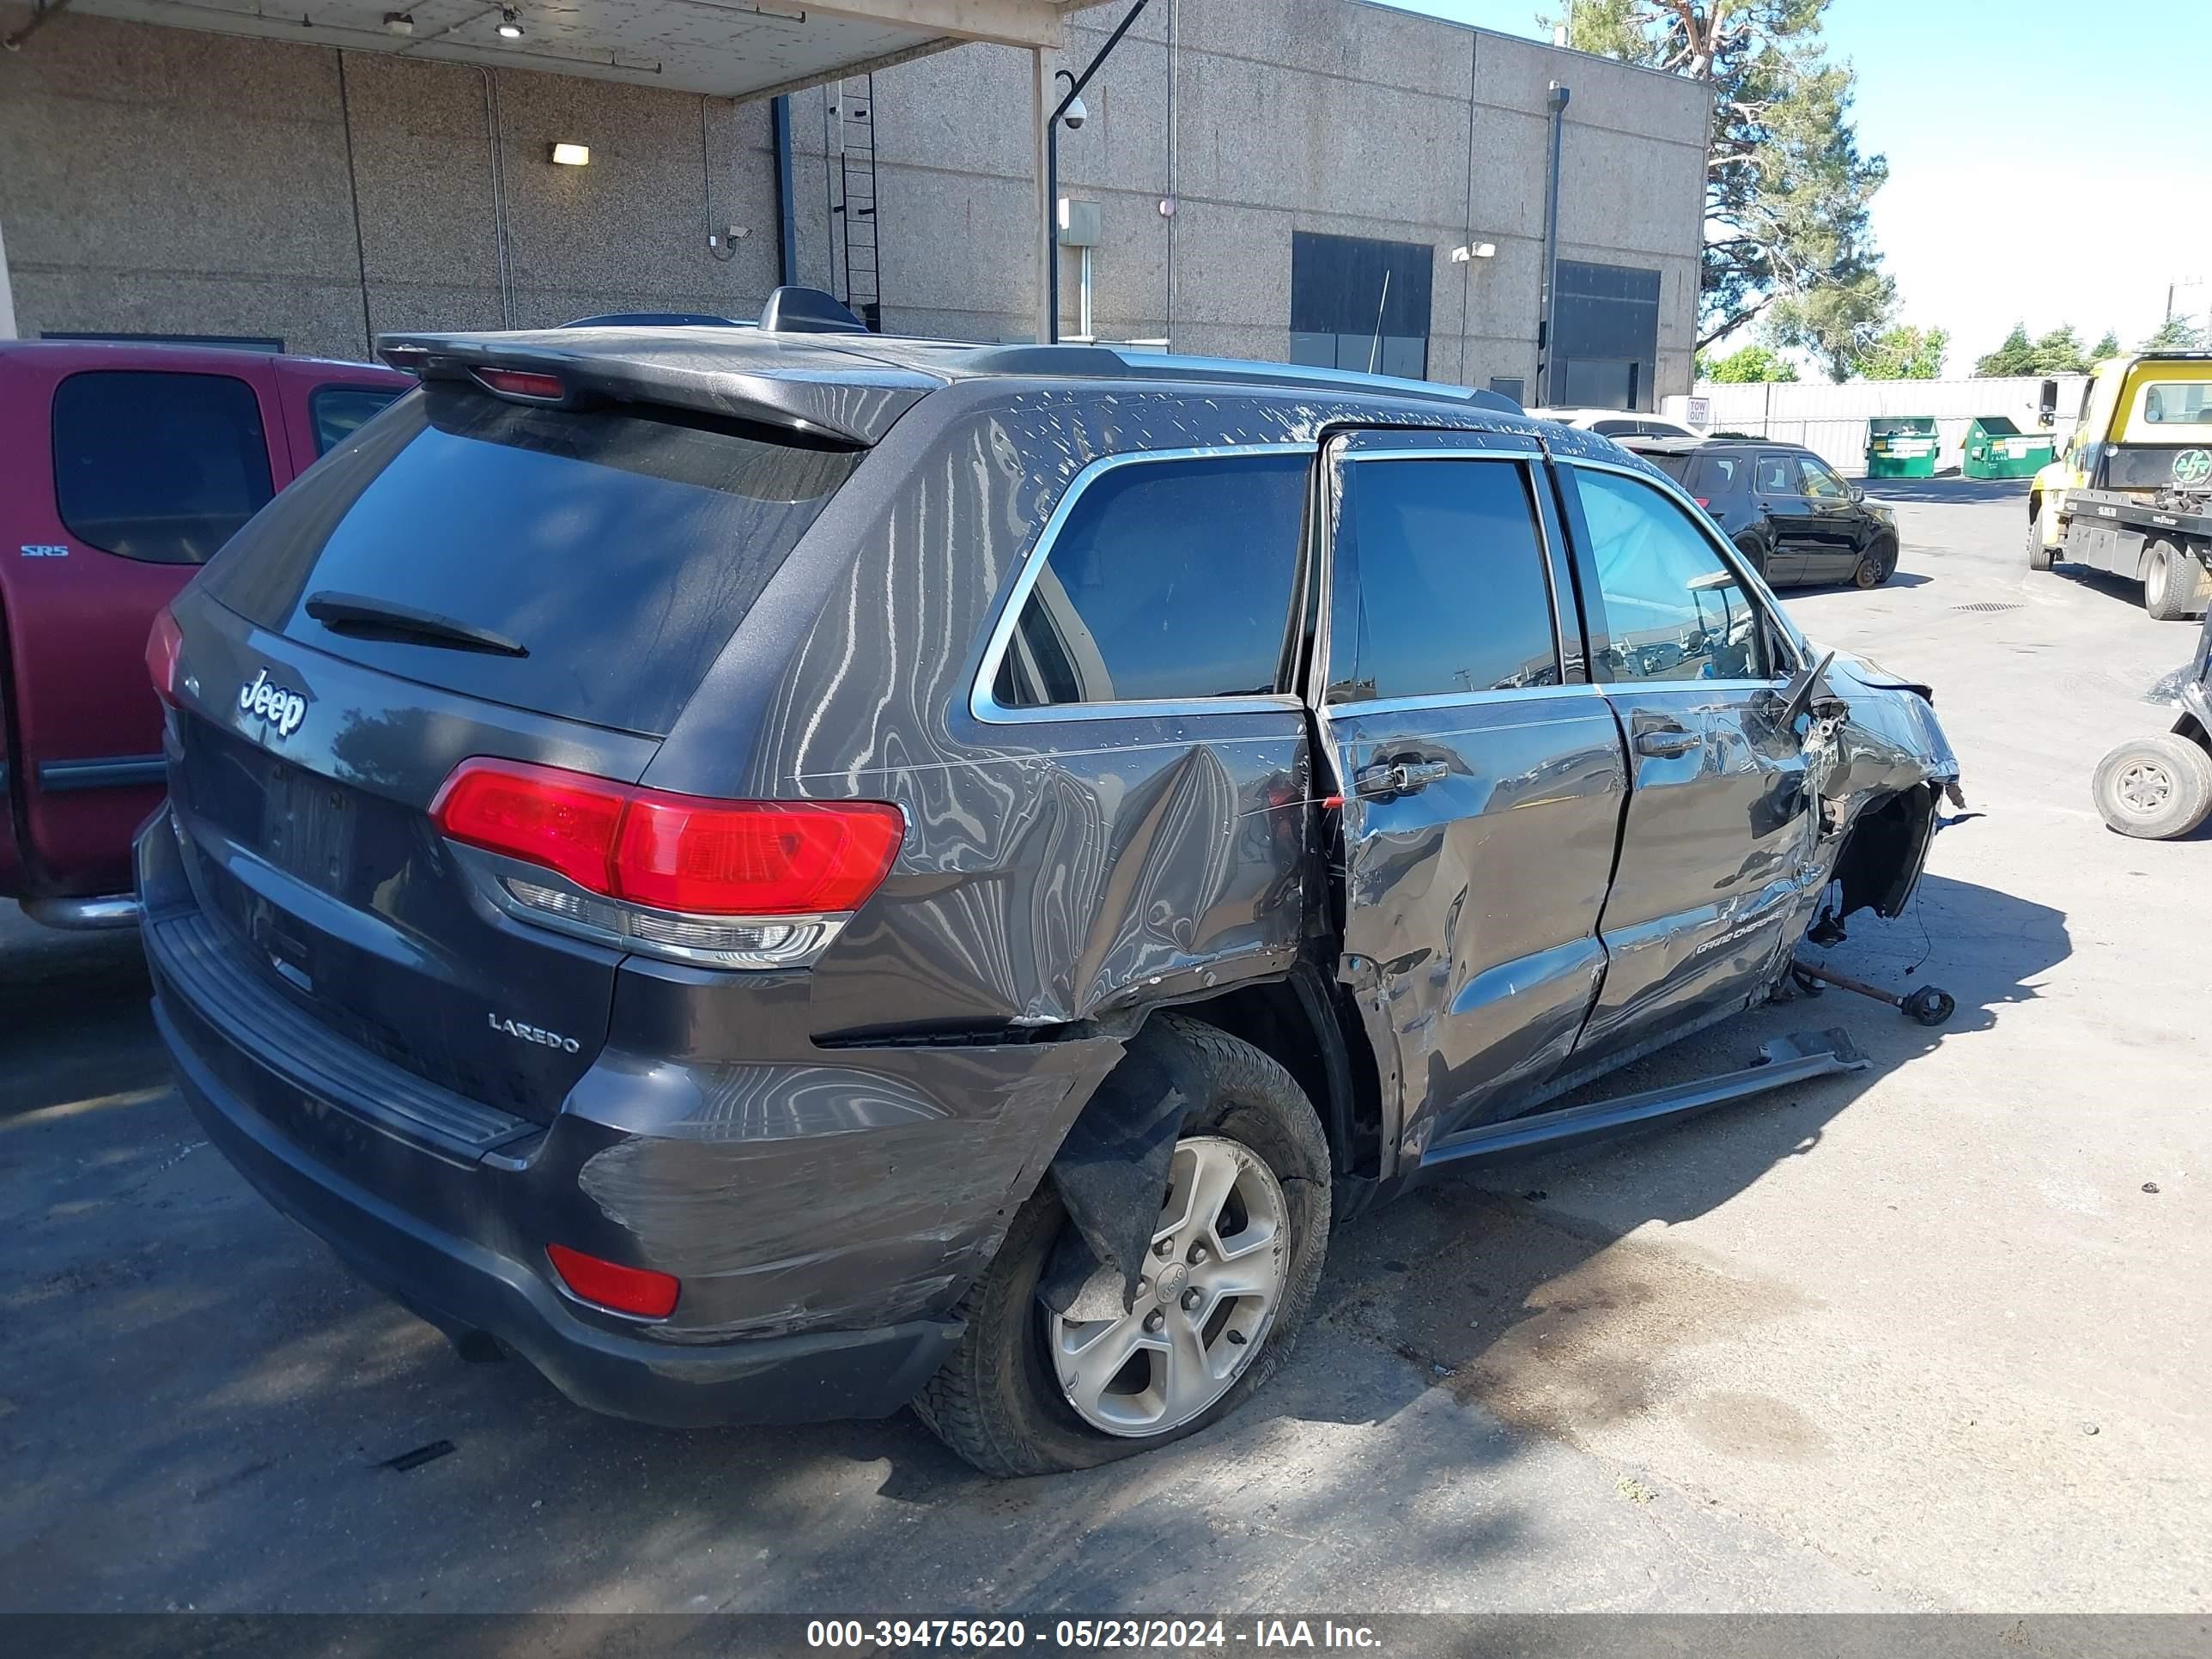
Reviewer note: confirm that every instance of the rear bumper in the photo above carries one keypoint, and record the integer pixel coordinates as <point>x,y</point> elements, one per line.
<point>822,1235</point>
<point>463,1287</point>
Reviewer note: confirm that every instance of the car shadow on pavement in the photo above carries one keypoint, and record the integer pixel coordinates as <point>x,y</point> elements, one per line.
<point>1897,578</point>
<point>1951,490</point>
<point>199,1405</point>
<point>1523,1290</point>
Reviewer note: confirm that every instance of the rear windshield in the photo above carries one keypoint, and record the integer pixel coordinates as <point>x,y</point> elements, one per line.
<point>1676,467</point>
<point>619,550</point>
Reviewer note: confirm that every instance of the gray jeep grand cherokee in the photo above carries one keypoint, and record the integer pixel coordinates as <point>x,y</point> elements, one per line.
<point>780,874</point>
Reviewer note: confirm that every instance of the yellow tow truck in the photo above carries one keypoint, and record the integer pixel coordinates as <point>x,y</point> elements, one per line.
<point>2131,490</point>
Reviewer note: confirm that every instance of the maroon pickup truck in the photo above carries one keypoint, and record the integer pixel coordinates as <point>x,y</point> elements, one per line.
<point>123,468</point>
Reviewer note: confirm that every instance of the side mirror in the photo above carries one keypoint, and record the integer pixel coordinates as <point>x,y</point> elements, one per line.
<point>1797,695</point>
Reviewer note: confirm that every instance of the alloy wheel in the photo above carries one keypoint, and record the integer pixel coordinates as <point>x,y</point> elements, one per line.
<point>1208,1298</point>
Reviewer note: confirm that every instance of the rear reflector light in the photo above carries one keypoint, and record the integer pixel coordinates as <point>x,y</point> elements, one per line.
<point>1702,500</point>
<point>520,383</point>
<point>626,1290</point>
<point>683,852</point>
<point>164,645</point>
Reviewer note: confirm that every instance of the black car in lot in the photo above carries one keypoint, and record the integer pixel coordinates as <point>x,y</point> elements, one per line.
<point>1785,508</point>
<point>778,875</point>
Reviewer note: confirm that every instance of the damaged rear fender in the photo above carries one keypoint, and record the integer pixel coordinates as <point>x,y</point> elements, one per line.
<point>1112,1166</point>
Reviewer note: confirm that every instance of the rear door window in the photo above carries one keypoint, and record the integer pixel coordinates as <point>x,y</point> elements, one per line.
<point>1168,581</point>
<point>619,550</point>
<point>1713,476</point>
<point>156,465</point>
<point>1674,608</point>
<point>338,411</point>
<point>1438,582</point>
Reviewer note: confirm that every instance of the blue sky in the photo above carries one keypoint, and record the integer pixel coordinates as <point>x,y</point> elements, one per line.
<point>2006,125</point>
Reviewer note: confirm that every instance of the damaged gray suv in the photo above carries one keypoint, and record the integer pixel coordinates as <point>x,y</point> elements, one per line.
<point>783,874</point>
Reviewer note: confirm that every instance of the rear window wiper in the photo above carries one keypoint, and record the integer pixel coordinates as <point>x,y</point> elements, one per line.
<point>351,613</point>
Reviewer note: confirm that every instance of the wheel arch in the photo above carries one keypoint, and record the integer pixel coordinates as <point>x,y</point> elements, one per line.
<point>1300,1018</point>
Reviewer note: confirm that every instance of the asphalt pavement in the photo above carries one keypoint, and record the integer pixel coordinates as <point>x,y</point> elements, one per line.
<point>1931,1336</point>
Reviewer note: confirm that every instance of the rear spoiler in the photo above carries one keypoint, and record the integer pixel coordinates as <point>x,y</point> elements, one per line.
<point>830,396</point>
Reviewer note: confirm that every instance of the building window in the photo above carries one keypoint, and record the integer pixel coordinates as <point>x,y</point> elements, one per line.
<point>1360,304</point>
<point>1605,330</point>
<point>1514,386</point>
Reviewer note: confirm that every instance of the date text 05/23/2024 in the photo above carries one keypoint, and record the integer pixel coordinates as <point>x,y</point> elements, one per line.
<point>1121,1634</point>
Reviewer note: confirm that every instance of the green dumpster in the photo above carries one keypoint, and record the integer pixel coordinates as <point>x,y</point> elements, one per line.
<point>1997,448</point>
<point>1901,446</point>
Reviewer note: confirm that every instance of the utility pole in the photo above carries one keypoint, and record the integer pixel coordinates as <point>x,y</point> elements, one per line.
<point>1557,103</point>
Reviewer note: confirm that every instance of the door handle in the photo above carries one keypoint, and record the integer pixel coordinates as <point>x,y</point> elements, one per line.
<point>1668,743</point>
<point>1397,778</point>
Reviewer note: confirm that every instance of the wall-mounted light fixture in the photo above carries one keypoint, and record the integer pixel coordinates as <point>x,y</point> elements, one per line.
<point>1475,250</point>
<point>510,26</point>
<point>571,155</point>
<point>399,22</point>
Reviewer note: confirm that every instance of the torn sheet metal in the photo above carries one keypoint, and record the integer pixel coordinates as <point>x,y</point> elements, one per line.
<point>1112,1170</point>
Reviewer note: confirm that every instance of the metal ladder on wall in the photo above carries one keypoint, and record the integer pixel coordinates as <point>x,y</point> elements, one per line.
<point>848,116</point>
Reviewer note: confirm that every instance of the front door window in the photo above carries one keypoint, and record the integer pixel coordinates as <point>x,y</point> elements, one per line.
<point>1674,609</point>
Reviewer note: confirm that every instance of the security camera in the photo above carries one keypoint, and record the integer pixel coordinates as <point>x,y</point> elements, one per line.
<point>1077,115</point>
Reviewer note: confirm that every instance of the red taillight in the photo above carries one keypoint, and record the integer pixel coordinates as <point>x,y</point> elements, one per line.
<point>520,383</point>
<point>163,646</point>
<point>1702,500</point>
<point>626,1290</point>
<point>561,820</point>
<point>752,857</point>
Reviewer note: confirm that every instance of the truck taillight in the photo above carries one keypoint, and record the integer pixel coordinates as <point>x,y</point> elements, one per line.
<point>744,882</point>
<point>164,645</point>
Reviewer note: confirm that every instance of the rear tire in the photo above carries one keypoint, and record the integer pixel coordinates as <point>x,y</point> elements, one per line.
<point>2155,788</point>
<point>997,1402</point>
<point>2039,557</point>
<point>1756,555</point>
<point>2173,585</point>
<point>1877,566</point>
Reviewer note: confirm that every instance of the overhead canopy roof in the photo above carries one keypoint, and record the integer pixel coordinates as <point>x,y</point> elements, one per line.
<point>726,48</point>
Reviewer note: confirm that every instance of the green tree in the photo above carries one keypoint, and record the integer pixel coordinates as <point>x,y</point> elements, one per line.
<point>1837,322</point>
<point>1904,353</point>
<point>1786,187</point>
<point>2107,346</point>
<point>2015,356</point>
<point>1746,366</point>
<point>2174,334</point>
<point>2058,352</point>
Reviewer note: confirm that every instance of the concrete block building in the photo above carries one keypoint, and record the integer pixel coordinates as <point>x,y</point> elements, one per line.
<point>1325,181</point>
